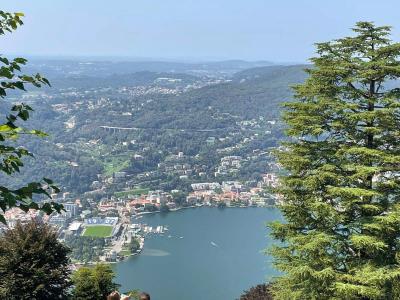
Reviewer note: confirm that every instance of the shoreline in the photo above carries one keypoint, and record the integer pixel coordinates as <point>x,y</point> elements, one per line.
<point>92,263</point>
<point>200,206</point>
<point>171,210</point>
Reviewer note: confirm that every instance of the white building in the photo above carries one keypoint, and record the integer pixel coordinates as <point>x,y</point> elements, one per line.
<point>71,208</point>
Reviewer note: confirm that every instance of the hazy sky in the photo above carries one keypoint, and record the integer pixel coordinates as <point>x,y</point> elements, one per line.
<point>279,30</point>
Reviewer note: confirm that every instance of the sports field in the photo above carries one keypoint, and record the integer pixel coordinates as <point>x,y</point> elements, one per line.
<point>98,231</point>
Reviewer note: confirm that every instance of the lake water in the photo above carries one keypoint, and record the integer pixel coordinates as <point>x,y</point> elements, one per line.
<point>211,254</point>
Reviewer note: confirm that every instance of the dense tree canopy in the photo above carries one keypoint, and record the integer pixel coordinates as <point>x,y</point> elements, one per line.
<point>341,197</point>
<point>33,263</point>
<point>93,283</point>
<point>258,292</point>
<point>11,129</point>
<point>85,285</point>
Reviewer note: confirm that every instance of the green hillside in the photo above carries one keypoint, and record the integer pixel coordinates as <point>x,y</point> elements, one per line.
<point>165,119</point>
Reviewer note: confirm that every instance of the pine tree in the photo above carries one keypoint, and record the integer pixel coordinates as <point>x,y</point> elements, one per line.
<point>33,263</point>
<point>342,191</point>
<point>258,292</point>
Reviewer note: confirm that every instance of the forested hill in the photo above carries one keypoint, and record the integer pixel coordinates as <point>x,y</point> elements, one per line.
<point>274,75</point>
<point>255,92</point>
<point>142,78</point>
<point>155,115</point>
<point>251,93</point>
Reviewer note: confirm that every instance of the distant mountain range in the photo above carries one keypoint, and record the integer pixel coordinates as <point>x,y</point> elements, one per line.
<point>56,68</point>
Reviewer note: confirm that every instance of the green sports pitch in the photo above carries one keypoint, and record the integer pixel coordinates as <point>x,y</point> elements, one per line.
<point>101,231</point>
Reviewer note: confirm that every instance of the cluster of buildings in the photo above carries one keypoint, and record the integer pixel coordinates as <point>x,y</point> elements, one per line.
<point>270,180</point>
<point>136,91</point>
<point>234,192</point>
<point>103,209</point>
<point>60,220</point>
<point>118,212</point>
<point>153,200</point>
<point>228,165</point>
<point>14,215</point>
<point>179,165</point>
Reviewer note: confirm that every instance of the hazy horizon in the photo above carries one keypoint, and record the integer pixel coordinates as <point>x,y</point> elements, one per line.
<point>188,31</point>
<point>133,59</point>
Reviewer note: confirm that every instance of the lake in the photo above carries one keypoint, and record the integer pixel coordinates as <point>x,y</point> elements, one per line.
<point>208,253</point>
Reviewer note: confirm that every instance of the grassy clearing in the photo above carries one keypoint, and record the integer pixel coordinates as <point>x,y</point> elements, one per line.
<point>115,164</point>
<point>125,252</point>
<point>100,231</point>
<point>135,192</point>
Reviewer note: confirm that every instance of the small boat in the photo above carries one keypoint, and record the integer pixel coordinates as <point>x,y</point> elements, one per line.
<point>181,237</point>
<point>214,244</point>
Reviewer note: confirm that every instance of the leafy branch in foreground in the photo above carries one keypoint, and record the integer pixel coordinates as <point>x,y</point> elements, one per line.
<point>11,157</point>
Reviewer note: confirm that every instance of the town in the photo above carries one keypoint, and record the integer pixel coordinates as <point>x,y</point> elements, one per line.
<point>117,219</point>
<point>115,162</point>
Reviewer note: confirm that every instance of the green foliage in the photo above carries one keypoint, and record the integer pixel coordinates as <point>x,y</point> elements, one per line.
<point>86,249</point>
<point>11,157</point>
<point>164,208</point>
<point>104,275</point>
<point>134,294</point>
<point>134,245</point>
<point>179,198</point>
<point>134,192</point>
<point>217,108</point>
<point>96,151</point>
<point>221,204</point>
<point>9,21</point>
<point>85,285</point>
<point>258,292</point>
<point>33,264</point>
<point>93,283</point>
<point>341,197</point>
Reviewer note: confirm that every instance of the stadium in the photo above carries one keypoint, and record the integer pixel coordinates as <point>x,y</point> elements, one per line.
<point>101,227</point>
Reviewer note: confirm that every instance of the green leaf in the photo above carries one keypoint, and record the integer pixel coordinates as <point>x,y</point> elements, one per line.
<point>48,181</point>
<point>5,127</point>
<point>19,85</point>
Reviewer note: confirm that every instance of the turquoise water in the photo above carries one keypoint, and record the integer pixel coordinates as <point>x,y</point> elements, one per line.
<point>211,254</point>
